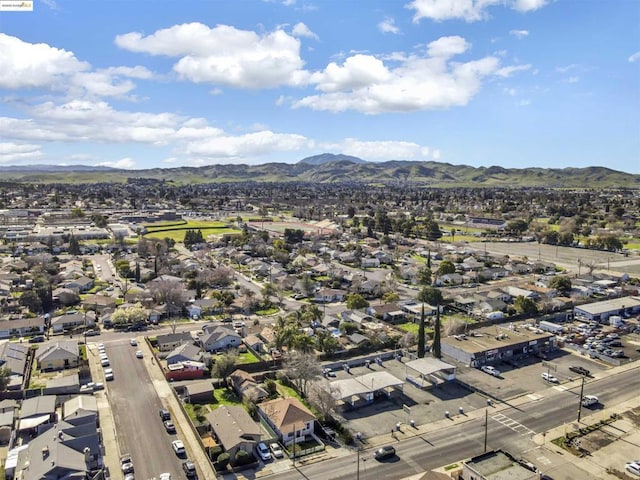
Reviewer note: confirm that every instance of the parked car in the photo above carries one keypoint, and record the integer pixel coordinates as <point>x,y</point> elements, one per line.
<point>139,354</point>
<point>547,377</point>
<point>327,372</point>
<point>133,342</point>
<point>580,370</point>
<point>384,452</point>
<point>633,467</point>
<point>276,451</point>
<point>490,370</point>
<point>108,374</point>
<point>164,414</point>
<point>263,452</point>
<point>169,426</point>
<point>189,468</point>
<point>37,339</point>
<point>178,447</point>
<point>126,464</point>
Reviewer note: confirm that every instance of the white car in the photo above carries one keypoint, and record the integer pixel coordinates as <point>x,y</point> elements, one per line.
<point>276,451</point>
<point>633,467</point>
<point>133,342</point>
<point>139,354</point>
<point>263,451</point>
<point>547,377</point>
<point>490,370</point>
<point>165,476</point>
<point>178,447</point>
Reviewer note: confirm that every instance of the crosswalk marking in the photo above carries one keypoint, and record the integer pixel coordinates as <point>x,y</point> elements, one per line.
<point>512,424</point>
<point>534,397</point>
<point>560,388</point>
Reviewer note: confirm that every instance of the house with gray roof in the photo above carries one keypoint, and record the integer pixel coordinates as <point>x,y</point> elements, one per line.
<point>168,342</point>
<point>37,411</point>
<point>58,356</point>
<point>63,452</point>
<point>220,338</point>
<point>184,352</point>
<point>234,428</point>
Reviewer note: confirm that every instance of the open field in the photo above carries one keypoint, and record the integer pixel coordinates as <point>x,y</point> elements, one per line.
<point>176,230</point>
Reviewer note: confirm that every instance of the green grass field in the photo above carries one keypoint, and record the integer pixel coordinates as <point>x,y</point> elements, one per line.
<point>176,231</point>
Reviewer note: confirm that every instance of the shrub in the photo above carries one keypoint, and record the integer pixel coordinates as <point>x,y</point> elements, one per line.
<point>243,458</point>
<point>223,460</point>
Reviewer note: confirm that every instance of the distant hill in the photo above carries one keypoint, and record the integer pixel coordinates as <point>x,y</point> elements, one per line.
<point>330,157</point>
<point>329,168</point>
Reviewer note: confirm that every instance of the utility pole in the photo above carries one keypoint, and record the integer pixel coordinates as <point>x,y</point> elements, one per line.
<point>358,462</point>
<point>486,428</point>
<point>580,400</point>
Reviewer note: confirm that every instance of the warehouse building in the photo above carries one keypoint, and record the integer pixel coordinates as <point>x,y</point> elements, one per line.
<point>498,344</point>
<point>601,311</point>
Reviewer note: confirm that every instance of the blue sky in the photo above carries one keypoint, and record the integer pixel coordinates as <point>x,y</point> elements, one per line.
<point>156,83</point>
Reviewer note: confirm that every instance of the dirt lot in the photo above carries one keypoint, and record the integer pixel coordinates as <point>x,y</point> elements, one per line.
<point>567,257</point>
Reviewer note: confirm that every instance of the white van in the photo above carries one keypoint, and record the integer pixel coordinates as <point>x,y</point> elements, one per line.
<point>589,400</point>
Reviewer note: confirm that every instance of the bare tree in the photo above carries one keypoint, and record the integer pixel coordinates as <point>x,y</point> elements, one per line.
<point>323,397</point>
<point>169,292</point>
<point>453,326</point>
<point>302,369</point>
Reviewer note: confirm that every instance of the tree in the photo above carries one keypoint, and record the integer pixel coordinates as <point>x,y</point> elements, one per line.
<point>436,347</point>
<point>224,366</point>
<point>32,301</point>
<point>74,246</point>
<point>5,374</point>
<point>323,399</point>
<point>423,276</point>
<point>561,283</point>
<point>421,333</point>
<point>446,267</point>
<point>302,370</point>
<point>169,292</point>
<point>517,226</point>
<point>390,297</point>
<point>326,342</point>
<point>430,295</point>
<point>130,315</point>
<point>525,305</point>
<point>356,301</point>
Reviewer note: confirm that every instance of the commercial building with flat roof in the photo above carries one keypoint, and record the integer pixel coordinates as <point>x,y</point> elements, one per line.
<point>497,343</point>
<point>497,465</point>
<point>601,311</point>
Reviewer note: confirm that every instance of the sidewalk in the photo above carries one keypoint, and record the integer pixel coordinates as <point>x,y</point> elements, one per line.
<point>111,454</point>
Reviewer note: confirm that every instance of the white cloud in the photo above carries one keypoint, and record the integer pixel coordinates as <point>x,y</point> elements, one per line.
<point>634,58</point>
<point>382,150</point>
<point>573,79</point>
<point>253,144</point>
<point>567,68</point>
<point>528,5</point>
<point>357,71</point>
<point>507,71</point>
<point>30,65</point>
<point>18,152</point>
<point>126,163</point>
<point>467,10</point>
<point>519,34</point>
<point>224,54</point>
<point>447,46</point>
<point>524,103</point>
<point>138,71</point>
<point>301,30</point>
<point>388,25</point>
<point>436,154</point>
<point>408,82</point>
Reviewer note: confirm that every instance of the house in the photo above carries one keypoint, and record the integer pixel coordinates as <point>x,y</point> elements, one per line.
<point>80,410</point>
<point>246,386</point>
<point>64,451</point>
<point>58,356</point>
<point>368,262</point>
<point>516,292</point>
<point>289,419</point>
<point>21,327</point>
<point>187,370</point>
<point>72,320</point>
<point>450,279</point>
<point>254,343</point>
<point>65,296</point>
<point>168,342</point>
<point>14,357</point>
<point>184,352</point>
<point>234,429</point>
<point>36,411</point>
<point>81,284</point>
<point>98,303</point>
<point>219,338</point>
<point>389,312</point>
<point>327,295</point>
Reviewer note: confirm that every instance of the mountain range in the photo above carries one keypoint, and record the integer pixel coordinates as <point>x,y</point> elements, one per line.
<point>330,168</point>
